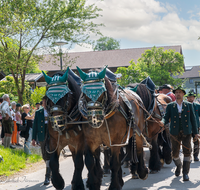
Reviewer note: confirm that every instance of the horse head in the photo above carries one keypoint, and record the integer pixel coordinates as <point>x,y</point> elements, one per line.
<point>62,96</point>
<point>94,96</point>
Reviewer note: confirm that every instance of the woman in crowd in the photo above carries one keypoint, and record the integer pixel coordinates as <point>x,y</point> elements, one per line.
<point>18,121</point>
<point>14,134</point>
<point>27,120</point>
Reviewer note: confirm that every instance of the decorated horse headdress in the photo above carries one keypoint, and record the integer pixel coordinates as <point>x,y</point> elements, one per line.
<point>57,86</point>
<point>93,83</point>
<point>93,87</point>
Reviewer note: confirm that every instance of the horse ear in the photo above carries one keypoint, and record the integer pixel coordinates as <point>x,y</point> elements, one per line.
<point>65,76</point>
<point>102,73</point>
<point>47,78</point>
<point>81,73</point>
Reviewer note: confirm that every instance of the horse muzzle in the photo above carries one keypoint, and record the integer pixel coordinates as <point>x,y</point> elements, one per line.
<point>95,117</point>
<point>57,122</point>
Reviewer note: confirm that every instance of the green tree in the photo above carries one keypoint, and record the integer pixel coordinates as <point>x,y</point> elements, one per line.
<point>162,65</point>
<point>106,43</point>
<point>7,86</point>
<point>38,94</point>
<point>31,24</point>
<point>131,74</point>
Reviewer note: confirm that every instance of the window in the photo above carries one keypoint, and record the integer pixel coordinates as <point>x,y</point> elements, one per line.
<point>191,81</point>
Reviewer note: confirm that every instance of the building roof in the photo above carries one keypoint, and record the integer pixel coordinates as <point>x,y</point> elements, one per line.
<point>193,72</point>
<point>97,59</point>
<point>30,77</point>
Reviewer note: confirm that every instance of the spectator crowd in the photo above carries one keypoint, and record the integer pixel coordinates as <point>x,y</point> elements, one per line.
<point>16,121</point>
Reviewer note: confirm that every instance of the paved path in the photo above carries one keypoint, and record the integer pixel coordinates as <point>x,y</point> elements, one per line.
<point>163,180</point>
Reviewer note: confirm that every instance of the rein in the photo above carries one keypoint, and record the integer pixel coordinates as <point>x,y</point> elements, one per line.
<point>179,142</point>
<point>51,152</point>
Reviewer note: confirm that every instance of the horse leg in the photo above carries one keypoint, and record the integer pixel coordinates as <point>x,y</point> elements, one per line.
<point>77,181</point>
<point>115,164</point>
<point>133,170</point>
<point>142,170</point>
<point>106,166</point>
<point>160,148</point>
<point>167,148</point>
<point>154,160</point>
<point>56,178</point>
<point>97,168</point>
<point>121,156</point>
<point>132,166</point>
<point>92,182</point>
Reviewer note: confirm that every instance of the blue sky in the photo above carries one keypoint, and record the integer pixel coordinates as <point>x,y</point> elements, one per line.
<point>145,23</point>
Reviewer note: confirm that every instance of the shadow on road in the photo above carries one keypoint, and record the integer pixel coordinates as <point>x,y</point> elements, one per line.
<point>36,187</point>
<point>177,183</point>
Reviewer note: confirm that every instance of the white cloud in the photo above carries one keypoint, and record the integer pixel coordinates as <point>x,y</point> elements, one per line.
<point>82,48</point>
<point>148,21</point>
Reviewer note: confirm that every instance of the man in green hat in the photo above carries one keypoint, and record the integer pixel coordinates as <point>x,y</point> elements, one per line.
<point>183,123</point>
<point>191,97</point>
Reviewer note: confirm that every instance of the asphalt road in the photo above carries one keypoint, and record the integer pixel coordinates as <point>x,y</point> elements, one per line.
<point>165,179</point>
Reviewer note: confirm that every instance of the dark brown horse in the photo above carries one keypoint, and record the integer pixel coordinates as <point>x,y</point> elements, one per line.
<point>157,136</point>
<point>114,117</point>
<point>63,95</point>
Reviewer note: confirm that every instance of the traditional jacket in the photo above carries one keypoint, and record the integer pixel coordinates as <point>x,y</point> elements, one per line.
<point>188,119</point>
<point>197,112</point>
<point>39,129</point>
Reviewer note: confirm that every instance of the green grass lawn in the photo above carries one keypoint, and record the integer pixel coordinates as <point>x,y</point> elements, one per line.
<point>14,160</point>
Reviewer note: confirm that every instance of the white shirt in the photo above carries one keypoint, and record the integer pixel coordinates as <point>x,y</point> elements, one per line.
<point>13,115</point>
<point>45,115</point>
<point>5,109</point>
<point>179,107</point>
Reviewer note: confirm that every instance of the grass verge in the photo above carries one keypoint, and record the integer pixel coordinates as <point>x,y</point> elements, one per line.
<point>15,160</point>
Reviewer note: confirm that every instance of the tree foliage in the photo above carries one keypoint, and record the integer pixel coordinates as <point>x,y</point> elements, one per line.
<point>8,87</point>
<point>30,24</point>
<point>162,66</point>
<point>106,43</point>
<point>38,94</point>
<point>131,74</point>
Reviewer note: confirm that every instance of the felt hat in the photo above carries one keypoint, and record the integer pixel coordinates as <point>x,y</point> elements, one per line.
<point>179,88</point>
<point>166,86</point>
<point>191,93</point>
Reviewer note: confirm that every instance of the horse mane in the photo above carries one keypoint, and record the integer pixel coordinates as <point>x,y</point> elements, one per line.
<point>142,91</point>
<point>110,91</point>
<point>74,87</point>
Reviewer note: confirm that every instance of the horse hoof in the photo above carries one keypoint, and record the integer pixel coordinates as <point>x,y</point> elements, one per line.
<point>153,171</point>
<point>135,176</point>
<point>145,177</point>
